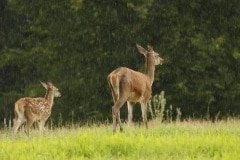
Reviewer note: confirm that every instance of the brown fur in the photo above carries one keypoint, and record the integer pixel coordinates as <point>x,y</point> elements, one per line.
<point>35,109</point>
<point>131,86</point>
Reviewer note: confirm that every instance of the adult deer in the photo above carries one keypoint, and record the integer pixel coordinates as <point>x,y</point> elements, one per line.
<point>131,86</point>
<point>35,109</point>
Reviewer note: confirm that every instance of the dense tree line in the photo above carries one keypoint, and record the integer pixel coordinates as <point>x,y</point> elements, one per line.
<point>75,44</point>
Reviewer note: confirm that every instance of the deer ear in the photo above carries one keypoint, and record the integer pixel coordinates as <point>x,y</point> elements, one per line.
<point>149,48</point>
<point>44,85</point>
<point>141,49</point>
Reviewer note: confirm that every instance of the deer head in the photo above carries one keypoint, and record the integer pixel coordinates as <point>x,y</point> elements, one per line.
<point>149,51</point>
<point>50,87</point>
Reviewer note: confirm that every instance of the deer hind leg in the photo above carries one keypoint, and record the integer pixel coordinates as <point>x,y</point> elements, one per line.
<point>115,97</point>
<point>17,123</point>
<point>130,113</point>
<point>119,121</point>
<point>116,113</point>
<point>29,120</point>
<point>116,118</point>
<point>144,113</point>
<point>18,120</point>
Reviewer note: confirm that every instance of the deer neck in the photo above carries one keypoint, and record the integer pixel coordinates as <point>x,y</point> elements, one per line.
<point>50,97</point>
<point>150,68</point>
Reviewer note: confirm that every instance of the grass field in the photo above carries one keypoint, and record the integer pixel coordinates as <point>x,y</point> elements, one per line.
<point>183,140</point>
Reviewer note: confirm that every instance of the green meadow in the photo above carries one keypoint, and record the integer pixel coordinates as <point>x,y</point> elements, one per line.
<point>182,140</point>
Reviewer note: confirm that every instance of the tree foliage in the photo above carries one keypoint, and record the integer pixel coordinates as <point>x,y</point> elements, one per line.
<point>75,44</point>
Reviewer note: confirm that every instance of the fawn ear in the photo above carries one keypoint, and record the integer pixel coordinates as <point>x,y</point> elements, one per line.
<point>44,85</point>
<point>141,49</point>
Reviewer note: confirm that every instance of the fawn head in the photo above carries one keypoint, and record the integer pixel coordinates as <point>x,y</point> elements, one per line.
<point>50,87</point>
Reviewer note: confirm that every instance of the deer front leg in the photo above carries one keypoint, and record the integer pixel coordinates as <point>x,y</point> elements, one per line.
<point>130,113</point>
<point>41,124</point>
<point>144,113</point>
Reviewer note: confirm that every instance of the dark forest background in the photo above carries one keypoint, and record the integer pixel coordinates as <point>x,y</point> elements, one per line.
<point>75,44</point>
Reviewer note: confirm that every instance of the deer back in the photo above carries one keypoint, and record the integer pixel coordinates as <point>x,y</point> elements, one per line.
<point>36,106</point>
<point>135,85</point>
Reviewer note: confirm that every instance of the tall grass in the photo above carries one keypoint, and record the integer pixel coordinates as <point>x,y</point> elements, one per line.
<point>183,140</point>
<point>169,140</point>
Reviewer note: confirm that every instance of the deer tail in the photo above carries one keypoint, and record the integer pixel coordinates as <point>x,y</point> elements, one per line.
<point>18,110</point>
